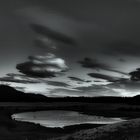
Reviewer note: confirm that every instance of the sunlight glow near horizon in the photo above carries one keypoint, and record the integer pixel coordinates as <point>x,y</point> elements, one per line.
<point>47,90</point>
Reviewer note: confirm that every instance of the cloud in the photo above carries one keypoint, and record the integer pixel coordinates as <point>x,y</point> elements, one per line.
<point>56,83</point>
<point>106,77</point>
<point>98,90</point>
<point>78,79</point>
<point>119,88</point>
<point>90,91</point>
<point>19,78</point>
<point>52,34</point>
<point>45,43</point>
<point>94,64</point>
<point>126,88</point>
<point>43,66</point>
<point>135,75</point>
<point>61,92</point>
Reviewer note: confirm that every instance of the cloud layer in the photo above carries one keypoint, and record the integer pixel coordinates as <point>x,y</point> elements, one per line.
<point>45,31</point>
<point>43,66</point>
<point>106,77</point>
<point>135,75</point>
<point>19,78</point>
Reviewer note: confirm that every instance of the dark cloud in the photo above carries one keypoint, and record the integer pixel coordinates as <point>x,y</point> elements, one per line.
<point>135,75</point>
<point>43,66</point>
<point>32,70</point>
<point>78,79</point>
<point>59,84</point>
<point>18,78</point>
<point>94,64</point>
<point>106,77</point>
<point>54,35</point>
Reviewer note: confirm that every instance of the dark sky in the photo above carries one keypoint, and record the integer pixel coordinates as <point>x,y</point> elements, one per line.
<point>45,43</point>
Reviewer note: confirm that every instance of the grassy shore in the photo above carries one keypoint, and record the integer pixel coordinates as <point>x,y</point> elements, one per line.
<point>129,130</point>
<point>14,130</point>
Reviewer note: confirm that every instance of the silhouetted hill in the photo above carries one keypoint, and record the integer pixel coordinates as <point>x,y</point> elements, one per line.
<point>9,94</point>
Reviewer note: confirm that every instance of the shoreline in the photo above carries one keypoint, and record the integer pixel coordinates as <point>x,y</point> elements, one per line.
<point>13,130</point>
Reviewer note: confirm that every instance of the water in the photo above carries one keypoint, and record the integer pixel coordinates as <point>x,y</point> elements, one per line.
<point>60,118</point>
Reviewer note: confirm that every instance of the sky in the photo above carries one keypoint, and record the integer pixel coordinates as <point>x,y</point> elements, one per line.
<point>71,48</point>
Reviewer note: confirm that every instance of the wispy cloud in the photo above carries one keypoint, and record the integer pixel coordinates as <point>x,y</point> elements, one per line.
<point>57,84</point>
<point>78,79</point>
<point>106,77</point>
<point>19,78</point>
<point>54,35</point>
<point>94,64</point>
<point>135,75</point>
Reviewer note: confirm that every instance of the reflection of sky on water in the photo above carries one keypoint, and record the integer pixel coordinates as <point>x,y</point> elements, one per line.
<point>60,118</point>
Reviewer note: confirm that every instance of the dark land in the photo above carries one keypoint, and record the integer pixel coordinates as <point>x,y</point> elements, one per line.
<point>13,101</point>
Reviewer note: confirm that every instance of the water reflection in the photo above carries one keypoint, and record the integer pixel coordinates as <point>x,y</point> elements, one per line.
<point>60,118</point>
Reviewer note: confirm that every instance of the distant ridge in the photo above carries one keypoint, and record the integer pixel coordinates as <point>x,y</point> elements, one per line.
<point>9,94</point>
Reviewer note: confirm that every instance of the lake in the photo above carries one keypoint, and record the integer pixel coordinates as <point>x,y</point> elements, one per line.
<point>61,118</point>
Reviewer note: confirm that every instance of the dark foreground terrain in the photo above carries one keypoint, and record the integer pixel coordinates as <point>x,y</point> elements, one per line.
<point>129,130</point>
<point>13,130</point>
<point>108,107</point>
